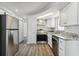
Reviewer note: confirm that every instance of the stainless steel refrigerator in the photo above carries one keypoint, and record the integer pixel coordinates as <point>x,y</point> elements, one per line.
<point>9,35</point>
<point>12,35</point>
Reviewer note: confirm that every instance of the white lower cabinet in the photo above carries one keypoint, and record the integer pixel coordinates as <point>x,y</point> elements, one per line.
<point>50,39</point>
<point>72,48</point>
<point>61,47</point>
<point>68,47</point>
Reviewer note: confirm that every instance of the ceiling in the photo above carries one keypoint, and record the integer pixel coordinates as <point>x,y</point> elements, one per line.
<point>30,8</point>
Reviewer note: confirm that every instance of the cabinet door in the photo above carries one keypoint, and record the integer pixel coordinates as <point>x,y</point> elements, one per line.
<point>72,14</point>
<point>72,48</point>
<point>51,22</point>
<point>61,47</point>
<point>69,14</point>
<point>50,39</point>
<point>48,23</point>
<point>63,18</point>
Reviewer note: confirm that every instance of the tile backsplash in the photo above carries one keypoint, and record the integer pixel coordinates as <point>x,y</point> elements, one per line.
<point>72,29</point>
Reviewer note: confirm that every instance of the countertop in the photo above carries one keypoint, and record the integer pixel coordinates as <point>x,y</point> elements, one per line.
<point>65,36</point>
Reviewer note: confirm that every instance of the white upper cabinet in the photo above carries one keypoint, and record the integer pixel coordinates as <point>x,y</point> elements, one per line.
<point>41,22</point>
<point>50,22</point>
<point>68,14</point>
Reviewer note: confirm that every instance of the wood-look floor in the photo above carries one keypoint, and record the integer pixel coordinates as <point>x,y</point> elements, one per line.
<point>34,50</point>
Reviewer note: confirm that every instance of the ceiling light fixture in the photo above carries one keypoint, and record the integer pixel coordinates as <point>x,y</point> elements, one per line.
<point>16,10</point>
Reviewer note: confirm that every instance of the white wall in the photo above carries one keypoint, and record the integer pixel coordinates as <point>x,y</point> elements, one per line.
<point>32,30</point>
<point>25,30</point>
<point>1,11</point>
<point>20,31</point>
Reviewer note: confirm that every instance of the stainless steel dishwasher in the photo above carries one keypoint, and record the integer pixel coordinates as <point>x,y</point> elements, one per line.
<point>55,43</point>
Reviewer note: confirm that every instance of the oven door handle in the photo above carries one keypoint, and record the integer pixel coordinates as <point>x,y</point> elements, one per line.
<point>56,39</point>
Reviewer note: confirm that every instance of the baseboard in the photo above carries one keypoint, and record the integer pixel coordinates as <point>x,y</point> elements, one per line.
<point>31,42</point>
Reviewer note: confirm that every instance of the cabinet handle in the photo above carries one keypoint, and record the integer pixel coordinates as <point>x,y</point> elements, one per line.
<point>61,49</point>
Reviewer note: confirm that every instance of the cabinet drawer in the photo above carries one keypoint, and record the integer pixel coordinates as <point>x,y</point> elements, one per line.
<point>61,52</point>
<point>61,47</point>
<point>61,43</point>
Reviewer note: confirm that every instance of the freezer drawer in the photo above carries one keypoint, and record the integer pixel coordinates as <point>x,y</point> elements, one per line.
<point>12,42</point>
